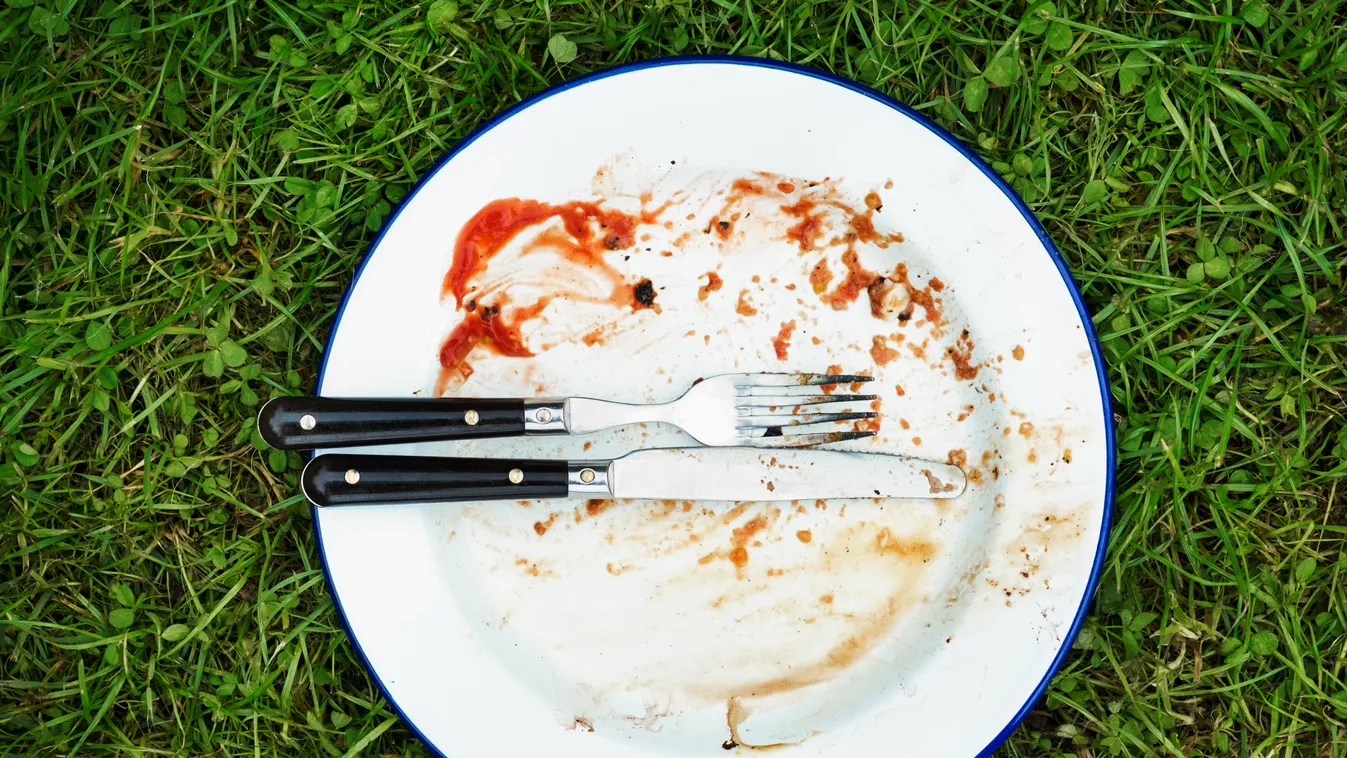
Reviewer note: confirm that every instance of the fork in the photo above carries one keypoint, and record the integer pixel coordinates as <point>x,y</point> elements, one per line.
<point>754,410</point>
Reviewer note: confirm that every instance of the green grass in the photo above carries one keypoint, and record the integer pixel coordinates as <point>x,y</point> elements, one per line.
<point>185,189</point>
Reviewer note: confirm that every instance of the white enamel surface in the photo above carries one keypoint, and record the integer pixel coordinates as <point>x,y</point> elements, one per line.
<point>941,616</point>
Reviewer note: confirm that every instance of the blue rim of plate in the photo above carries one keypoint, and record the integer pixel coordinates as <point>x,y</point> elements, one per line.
<point>1105,396</point>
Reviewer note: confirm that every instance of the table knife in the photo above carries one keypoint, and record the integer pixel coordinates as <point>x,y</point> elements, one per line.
<point>656,474</point>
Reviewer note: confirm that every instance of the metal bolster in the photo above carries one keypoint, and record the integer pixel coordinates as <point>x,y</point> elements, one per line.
<point>545,417</point>
<point>587,478</point>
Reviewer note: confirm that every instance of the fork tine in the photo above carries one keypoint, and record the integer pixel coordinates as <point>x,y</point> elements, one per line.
<point>803,440</point>
<point>800,380</point>
<point>800,419</point>
<point>790,401</point>
<point>792,391</point>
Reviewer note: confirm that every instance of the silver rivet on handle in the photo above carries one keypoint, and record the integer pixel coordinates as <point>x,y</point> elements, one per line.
<point>587,475</point>
<point>471,418</point>
<point>307,422</point>
<point>352,476</point>
<point>516,476</point>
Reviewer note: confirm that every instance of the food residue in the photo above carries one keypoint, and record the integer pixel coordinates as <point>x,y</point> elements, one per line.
<point>541,527</point>
<point>820,276</point>
<point>961,354</point>
<point>881,352</point>
<point>781,343</point>
<point>745,308</point>
<point>1017,353</point>
<point>644,293</point>
<point>713,283</point>
<point>579,232</point>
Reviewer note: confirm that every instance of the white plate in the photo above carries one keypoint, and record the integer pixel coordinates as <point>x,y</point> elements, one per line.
<point>546,629</point>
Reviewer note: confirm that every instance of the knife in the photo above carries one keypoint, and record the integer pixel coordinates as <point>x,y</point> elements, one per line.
<point>729,473</point>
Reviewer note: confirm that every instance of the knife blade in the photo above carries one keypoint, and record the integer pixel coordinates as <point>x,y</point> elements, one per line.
<point>743,474</point>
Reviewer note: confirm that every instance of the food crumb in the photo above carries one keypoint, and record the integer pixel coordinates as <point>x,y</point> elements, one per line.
<point>1018,353</point>
<point>804,535</point>
<point>937,285</point>
<point>881,352</point>
<point>916,440</point>
<point>820,276</point>
<point>834,369</point>
<point>541,527</point>
<point>781,343</point>
<point>745,308</point>
<point>1026,429</point>
<point>1066,455</point>
<point>899,389</point>
<point>644,292</point>
<point>713,283</point>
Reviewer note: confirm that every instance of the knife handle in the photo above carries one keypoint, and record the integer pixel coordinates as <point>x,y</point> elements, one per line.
<point>304,423</point>
<point>344,479</point>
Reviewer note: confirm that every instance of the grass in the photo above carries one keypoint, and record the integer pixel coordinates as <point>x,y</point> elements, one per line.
<point>185,190</point>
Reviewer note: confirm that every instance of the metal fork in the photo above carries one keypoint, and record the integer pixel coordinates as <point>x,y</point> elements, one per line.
<point>756,410</point>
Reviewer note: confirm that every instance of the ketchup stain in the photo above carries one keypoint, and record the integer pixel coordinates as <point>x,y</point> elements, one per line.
<point>810,228</point>
<point>781,343</point>
<point>587,232</point>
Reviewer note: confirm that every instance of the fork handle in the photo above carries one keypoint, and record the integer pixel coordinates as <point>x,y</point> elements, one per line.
<point>301,423</point>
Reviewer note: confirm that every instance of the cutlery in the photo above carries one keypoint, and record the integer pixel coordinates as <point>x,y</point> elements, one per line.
<point>730,473</point>
<point>756,410</point>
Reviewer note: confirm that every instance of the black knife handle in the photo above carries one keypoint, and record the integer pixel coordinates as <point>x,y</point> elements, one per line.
<point>345,479</point>
<point>303,423</point>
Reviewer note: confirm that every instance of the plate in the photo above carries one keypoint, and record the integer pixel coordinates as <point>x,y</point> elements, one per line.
<point>627,233</point>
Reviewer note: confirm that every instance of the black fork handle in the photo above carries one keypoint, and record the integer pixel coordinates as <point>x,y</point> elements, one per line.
<point>305,423</point>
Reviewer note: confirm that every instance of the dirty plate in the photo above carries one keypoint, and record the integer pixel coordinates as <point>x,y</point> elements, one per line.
<point>622,236</point>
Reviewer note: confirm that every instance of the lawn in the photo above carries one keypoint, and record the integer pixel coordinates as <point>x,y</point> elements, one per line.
<point>186,188</point>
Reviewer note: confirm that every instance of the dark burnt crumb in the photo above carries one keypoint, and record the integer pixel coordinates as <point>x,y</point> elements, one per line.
<point>613,242</point>
<point>772,431</point>
<point>707,230</point>
<point>626,257</point>
<point>489,312</point>
<point>645,292</point>
<point>723,225</point>
<point>905,315</point>
<point>472,305</point>
<point>730,744</point>
<point>672,162</point>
